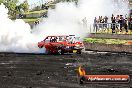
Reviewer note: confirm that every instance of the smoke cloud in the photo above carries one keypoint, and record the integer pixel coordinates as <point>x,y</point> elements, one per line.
<point>67,18</point>
<point>15,36</point>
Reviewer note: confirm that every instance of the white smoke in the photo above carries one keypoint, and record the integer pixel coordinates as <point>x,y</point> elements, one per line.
<point>67,18</point>
<point>15,36</point>
<point>70,19</point>
<point>64,20</point>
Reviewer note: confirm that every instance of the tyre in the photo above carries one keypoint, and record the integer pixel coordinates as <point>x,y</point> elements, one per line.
<point>79,52</point>
<point>60,52</point>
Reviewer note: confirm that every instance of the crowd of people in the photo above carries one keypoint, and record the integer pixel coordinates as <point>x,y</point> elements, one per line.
<point>118,22</point>
<point>100,22</point>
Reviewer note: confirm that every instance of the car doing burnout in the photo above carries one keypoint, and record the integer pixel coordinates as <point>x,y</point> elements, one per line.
<point>61,44</point>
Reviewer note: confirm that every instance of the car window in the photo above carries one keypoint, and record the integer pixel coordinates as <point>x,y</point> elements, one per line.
<point>60,39</point>
<point>47,40</point>
<point>53,39</point>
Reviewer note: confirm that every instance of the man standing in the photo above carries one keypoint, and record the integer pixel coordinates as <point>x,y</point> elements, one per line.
<point>105,21</point>
<point>126,24</point>
<point>113,24</point>
<point>121,22</point>
<point>117,21</point>
<point>95,24</point>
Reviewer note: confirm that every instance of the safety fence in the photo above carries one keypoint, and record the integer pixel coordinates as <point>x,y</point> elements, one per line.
<point>100,26</point>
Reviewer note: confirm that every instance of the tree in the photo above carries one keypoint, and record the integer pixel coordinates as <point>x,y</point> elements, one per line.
<point>24,6</point>
<point>11,5</point>
<point>1,1</point>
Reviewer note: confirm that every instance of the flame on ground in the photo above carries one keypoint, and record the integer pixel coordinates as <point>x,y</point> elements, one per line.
<point>81,71</point>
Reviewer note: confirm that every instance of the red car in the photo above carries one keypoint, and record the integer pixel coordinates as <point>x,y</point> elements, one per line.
<point>61,44</point>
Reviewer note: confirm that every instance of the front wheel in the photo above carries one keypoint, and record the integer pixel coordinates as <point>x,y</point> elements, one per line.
<point>47,51</point>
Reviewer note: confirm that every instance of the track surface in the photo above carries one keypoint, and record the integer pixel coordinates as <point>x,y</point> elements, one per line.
<point>58,71</point>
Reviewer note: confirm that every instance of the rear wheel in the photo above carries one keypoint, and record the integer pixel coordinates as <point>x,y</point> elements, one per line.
<point>60,51</point>
<point>79,52</point>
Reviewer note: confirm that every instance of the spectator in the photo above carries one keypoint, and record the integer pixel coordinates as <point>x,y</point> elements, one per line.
<point>117,18</point>
<point>36,22</point>
<point>121,22</point>
<point>105,21</point>
<point>95,24</point>
<point>126,16</point>
<point>112,17</point>
<point>117,21</point>
<point>112,20</point>
<point>126,24</point>
<point>113,24</point>
<point>100,21</point>
<point>130,23</point>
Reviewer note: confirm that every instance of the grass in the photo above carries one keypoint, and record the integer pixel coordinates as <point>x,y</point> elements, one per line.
<point>106,41</point>
<point>36,12</point>
<point>50,4</point>
<point>28,20</point>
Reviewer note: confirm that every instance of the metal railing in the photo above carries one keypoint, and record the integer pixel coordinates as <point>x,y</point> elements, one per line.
<point>100,26</point>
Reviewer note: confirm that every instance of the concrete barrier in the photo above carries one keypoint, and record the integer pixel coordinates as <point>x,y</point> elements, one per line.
<point>111,36</point>
<point>108,47</point>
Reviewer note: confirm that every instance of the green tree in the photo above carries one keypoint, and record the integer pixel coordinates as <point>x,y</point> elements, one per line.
<point>25,6</point>
<point>11,5</point>
<point>1,1</point>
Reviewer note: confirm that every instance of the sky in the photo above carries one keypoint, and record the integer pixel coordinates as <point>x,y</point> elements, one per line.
<point>34,3</point>
<point>31,2</point>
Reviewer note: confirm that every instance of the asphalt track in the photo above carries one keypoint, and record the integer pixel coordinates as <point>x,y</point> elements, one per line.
<point>59,71</point>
